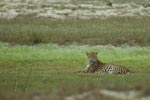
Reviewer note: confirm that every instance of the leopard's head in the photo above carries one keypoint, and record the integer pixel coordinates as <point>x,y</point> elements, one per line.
<point>92,57</point>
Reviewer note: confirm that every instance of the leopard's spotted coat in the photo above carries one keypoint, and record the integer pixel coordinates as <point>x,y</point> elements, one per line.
<point>96,66</point>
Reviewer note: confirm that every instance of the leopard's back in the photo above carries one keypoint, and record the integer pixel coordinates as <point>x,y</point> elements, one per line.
<point>112,69</point>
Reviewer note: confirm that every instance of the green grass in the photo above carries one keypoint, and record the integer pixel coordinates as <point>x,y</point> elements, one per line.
<point>50,69</point>
<point>49,66</point>
<point>113,30</point>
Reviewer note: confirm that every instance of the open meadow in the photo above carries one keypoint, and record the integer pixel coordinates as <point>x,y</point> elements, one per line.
<point>53,68</point>
<point>43,45</point>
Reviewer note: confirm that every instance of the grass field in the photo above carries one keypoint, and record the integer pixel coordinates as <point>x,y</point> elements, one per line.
<point>114,30</point>
<point>47,67</point>
<point>40,56</point>
<point>43,43</point>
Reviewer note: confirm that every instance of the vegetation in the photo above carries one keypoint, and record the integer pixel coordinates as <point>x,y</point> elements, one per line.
<point>113,30</point>
<point>51,67</point>
<point>40,57</point>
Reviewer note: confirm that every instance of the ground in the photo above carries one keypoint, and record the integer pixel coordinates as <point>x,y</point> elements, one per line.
<point>44,43</point>
<point>48,67</point>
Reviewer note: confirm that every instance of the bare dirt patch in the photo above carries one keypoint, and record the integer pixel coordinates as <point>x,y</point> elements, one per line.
<point>119,95</point>
<point>61,9</point>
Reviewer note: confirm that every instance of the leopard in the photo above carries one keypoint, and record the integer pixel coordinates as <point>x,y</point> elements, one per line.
<point>94,65</point>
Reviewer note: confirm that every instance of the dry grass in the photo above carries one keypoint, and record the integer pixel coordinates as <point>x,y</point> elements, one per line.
<point>113,30</point>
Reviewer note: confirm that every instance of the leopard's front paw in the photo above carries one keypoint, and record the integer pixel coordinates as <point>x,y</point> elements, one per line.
<point>82,71</point>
